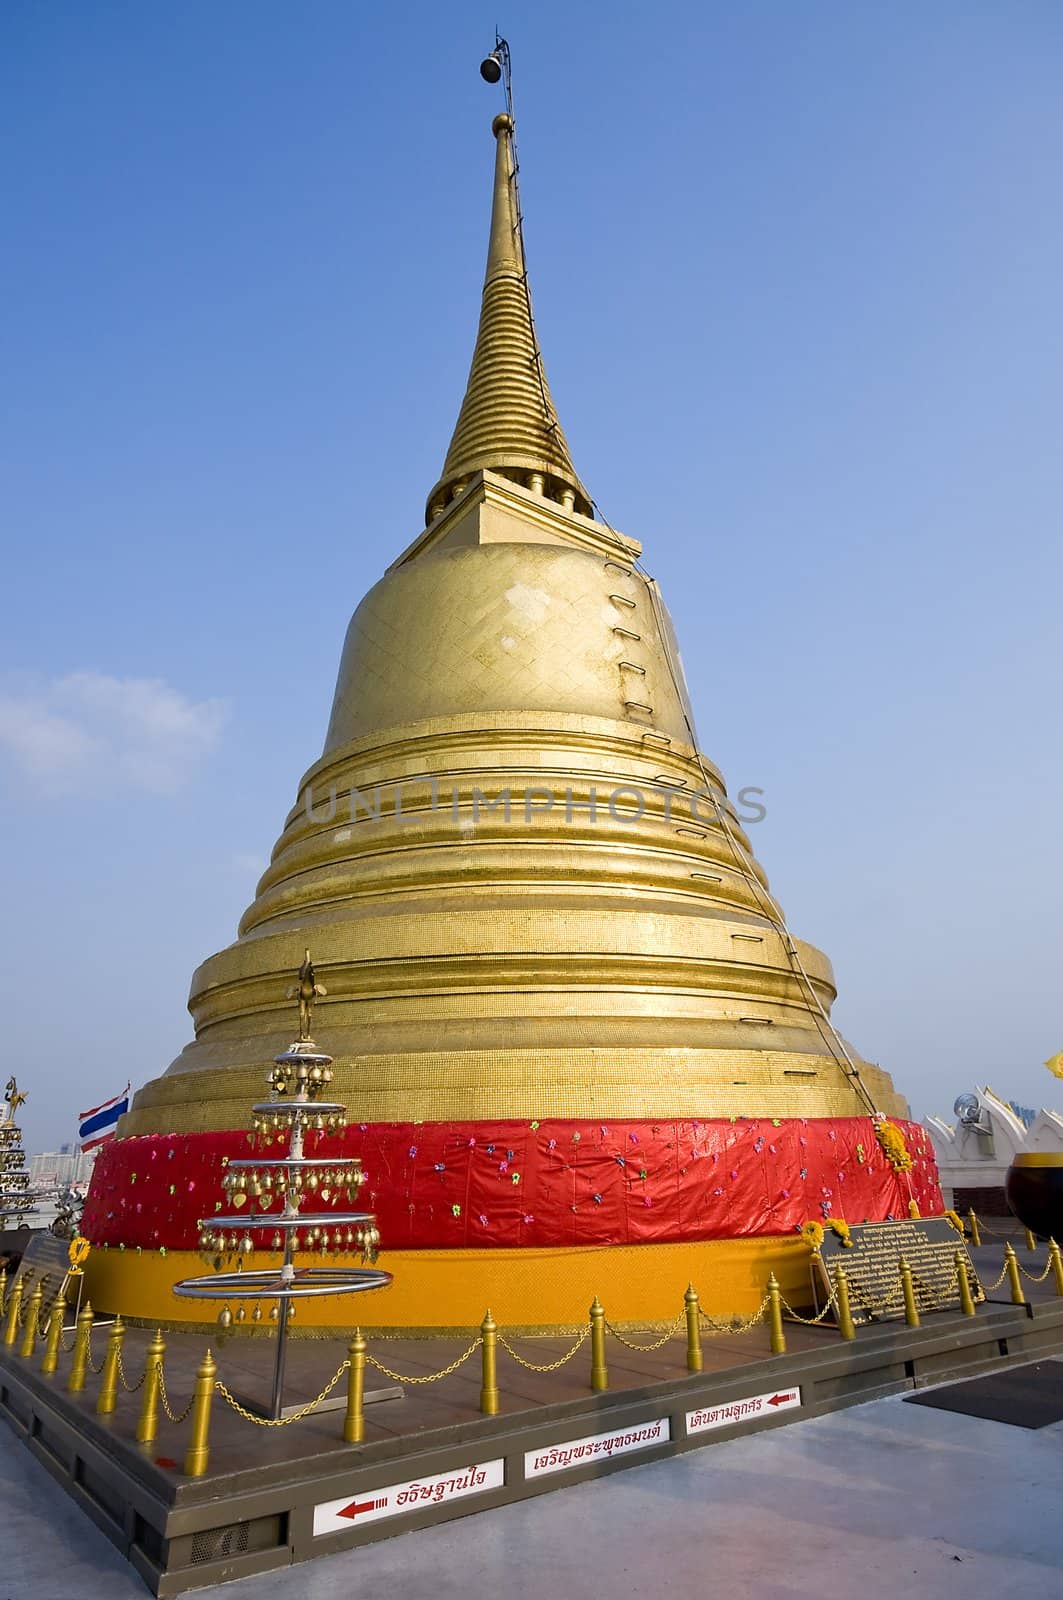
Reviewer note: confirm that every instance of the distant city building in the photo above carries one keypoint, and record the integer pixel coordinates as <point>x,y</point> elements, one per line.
<point>56,1169</point>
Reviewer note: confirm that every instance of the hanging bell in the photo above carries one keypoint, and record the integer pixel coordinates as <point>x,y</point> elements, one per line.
<point>241,1314</point>
<point>225,1318</point>
<point>256,1315</point>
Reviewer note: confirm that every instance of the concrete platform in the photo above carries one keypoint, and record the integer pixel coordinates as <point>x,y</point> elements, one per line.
<point>271,1495</point>
<point>882,1499</point>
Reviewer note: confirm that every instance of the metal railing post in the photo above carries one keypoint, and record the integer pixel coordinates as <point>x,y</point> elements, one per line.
<point>354,1421</point>
<point>197,1456</point>
<point>599,1370</point>
<point>490,1400</point>
<point>693,1311</point>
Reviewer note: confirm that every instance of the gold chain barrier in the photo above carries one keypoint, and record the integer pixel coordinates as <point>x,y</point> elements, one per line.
<point>547,1366</point>
<point>130,1388</point>
<point>22,1315</point>
<point>810,1322</point>
<point>178,1416</point>
<point>296,1416</point>
<point>427,1377</point>
<point>657,1343</point>
<point>737,1324</point>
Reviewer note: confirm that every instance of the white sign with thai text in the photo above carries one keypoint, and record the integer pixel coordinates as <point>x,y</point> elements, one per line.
<point>370,1505</point>
<point>596,1447</point>
<point>732,1411</point>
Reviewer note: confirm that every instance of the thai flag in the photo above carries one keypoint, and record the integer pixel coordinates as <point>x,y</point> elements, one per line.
<point>99,1124</point>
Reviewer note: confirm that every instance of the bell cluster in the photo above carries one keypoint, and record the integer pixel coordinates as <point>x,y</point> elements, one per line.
<point>226,1317</point>
<point>265,1184</point>
<point>216,1245</point>
<point>301,1076</point>
<point>270,1122</point>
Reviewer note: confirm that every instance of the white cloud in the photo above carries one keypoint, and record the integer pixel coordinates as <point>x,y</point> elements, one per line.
<point>245,864</point>
<point>88,728</point>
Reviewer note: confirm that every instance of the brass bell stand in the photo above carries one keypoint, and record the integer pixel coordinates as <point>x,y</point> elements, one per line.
<point>298,1077</point>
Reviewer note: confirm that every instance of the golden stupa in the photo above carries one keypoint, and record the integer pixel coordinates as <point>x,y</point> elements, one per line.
<point>522,883</point>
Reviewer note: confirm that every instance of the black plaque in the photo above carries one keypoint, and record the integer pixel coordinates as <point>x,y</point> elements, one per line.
<point>47,1258</point>
<point>872,1265</point>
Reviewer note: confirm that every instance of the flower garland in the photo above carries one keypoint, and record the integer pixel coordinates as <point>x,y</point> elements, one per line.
<point>891,1139</point>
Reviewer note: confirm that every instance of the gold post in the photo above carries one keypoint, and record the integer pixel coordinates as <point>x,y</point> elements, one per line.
<point>599,1370</point>
<point>3,1287</point>
<point>107,1398</point>
<point>690,1300</point>
<point>778,1337</point>
<point>29,1332</point>
<point>354,1421</point>
<point>964,1283</point>
<point>846,1326</point>
<point>14,1306</point>
<point>78,1367</point>
<point>54,1334</point>
<point>911,1310</point>
<point>1031,1242</point>
<point>1011,1266</point>
<point>198,1453</point>
<point>1056,1261</point>
<point>490,1400</point>
<point>148,1421</point>
<point>976,1237</point>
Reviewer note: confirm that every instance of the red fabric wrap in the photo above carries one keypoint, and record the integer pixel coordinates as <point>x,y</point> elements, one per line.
<point>452,1185</point>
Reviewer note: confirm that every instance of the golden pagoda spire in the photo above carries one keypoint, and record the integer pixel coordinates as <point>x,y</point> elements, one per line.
<point>507,423</point>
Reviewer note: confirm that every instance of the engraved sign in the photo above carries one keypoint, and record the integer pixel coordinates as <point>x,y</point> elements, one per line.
<point>46,1258</point>
<point>872,1265</point>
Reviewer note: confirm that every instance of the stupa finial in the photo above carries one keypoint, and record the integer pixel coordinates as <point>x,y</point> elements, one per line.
<point>507,422</point>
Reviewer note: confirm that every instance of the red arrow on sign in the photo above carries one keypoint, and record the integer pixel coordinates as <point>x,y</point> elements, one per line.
<point>776,1400</point>
<point>357,1506</point>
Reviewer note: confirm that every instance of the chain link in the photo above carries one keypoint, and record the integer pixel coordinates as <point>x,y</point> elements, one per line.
<point>1032,1277</point>
<point>88,1352</point>
<point>989,1287</point>
<point>738,1324</point>
<point>1012,1232</point>
<point>130,1388</point>
<point>549,1366</point>
<point>656,1345</point>
<point>430,1377</point>
<point>296,1416</point>
<point>810,1322</point>
<point>164,1397</point>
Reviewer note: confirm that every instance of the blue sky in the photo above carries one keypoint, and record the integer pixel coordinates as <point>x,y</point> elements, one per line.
<point>796,269</point>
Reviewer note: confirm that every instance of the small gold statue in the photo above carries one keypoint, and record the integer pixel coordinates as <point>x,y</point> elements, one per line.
<point>308,990</point>
<point>13,1096</point>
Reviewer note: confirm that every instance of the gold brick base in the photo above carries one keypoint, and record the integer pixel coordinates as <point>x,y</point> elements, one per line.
<point>439,1291</point>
